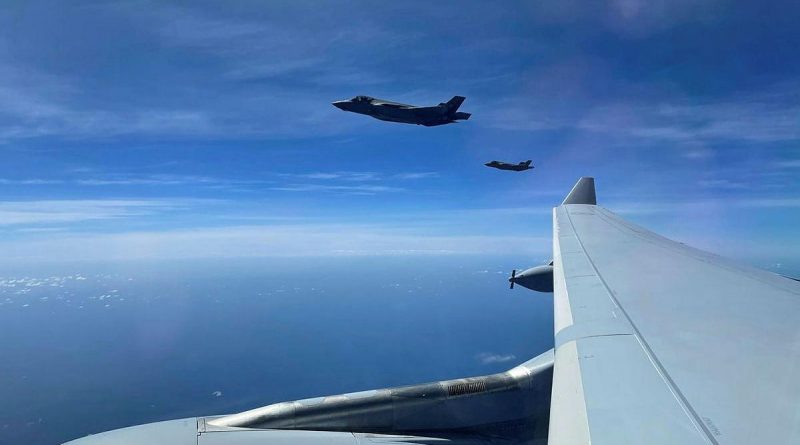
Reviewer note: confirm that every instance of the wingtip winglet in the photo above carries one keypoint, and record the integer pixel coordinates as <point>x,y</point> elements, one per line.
<point>582,193</point>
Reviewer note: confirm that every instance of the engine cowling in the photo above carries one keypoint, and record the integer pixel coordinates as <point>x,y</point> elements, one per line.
<point>539,278</point>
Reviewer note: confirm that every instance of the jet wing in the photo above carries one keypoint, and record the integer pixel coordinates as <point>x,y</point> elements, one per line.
<point>660,343</point>
<point>390,104</point>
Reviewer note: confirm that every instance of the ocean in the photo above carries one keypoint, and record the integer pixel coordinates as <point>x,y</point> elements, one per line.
<point>92,347</point>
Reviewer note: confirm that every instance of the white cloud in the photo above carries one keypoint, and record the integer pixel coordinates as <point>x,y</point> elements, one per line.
<point>265,45</point>
<point>350,189</point>
<point>164,179</point>
<point>724,184</point>
<point>350,182</point>
<point>697,206</point>
<point>361,176</point>
<point>268,71</point>
<point>420,175</point>
<point>768,115</point>
<point>33,103</point>
<point>752,119</point>
<point>261,241</point>
<point>789,163</point>
<point>488,358</point>
<point>40,229</point>
<point>766,202</point>
<point>30,181</point>
<point>71,211</point>
<point>699,153</point>
<point>128,180</point>
<point>629,18</point>
<point>336,175</point>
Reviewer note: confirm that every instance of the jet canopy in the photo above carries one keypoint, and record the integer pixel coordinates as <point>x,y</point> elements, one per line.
<point>362,99</point>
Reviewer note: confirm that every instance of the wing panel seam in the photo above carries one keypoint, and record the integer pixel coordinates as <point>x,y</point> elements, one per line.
<point>693,416</point>
<point>565,340</point>
<point>665,243</point>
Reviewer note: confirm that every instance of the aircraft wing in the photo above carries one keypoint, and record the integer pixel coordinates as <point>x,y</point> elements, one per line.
<point>660,343</point>
<point>390,104</point>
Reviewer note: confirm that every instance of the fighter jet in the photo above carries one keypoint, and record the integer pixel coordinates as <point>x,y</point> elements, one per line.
<point>655,342</point>
<point>500,165</point>
<point>444,113</point>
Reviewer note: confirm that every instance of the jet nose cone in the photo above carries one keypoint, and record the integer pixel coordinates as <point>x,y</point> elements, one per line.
<point>488,164</point>
<point>340,104</point>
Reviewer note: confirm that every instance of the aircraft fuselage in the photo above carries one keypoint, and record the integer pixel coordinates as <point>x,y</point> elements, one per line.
<point>522,166</point>
<point>385,110</point>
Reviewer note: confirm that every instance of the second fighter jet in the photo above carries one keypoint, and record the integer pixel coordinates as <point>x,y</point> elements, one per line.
<point>500,165</point>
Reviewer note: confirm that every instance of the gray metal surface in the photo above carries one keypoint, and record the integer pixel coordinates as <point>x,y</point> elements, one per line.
<point>171,432</point>
<point>582,192</point>
<point>539,278</point>
<point>385,110</point>
<point>186,432</point>
<point>513,404</point>
<point>658,343</point>
<point>289,437</point>
<point>519,167</point>
<point>509,407</point>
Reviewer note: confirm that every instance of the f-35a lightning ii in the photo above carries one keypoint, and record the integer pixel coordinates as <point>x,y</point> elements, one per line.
<point>444,113</point>
<point>500,165</point>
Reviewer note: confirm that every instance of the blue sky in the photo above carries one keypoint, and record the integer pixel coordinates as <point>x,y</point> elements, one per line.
<point>155,129</point>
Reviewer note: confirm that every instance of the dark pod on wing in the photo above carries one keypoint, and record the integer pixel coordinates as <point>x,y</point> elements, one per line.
<point>539,278</point>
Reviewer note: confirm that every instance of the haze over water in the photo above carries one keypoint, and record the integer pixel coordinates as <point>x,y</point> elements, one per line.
<point>91,347</point>
<point>95,347</point>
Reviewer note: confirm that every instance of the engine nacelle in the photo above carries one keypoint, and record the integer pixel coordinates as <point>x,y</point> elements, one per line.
<point>539,278</point>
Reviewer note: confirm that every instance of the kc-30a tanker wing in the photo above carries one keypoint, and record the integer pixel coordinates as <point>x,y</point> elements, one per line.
<point>655,343</point>
<point>660,343</point>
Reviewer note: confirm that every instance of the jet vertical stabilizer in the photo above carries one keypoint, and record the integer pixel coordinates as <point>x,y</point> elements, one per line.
<point>452,108</point>
<point>453,104</point>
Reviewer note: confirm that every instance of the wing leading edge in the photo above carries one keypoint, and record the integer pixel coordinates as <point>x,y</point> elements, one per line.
<point>660,343</point>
